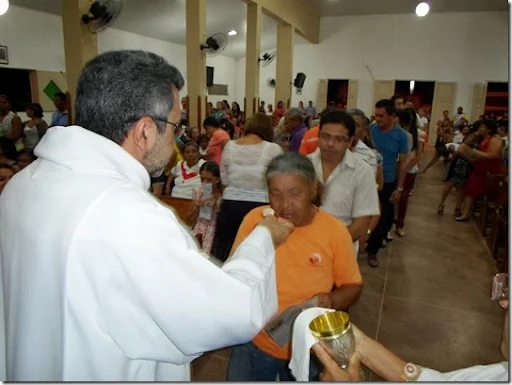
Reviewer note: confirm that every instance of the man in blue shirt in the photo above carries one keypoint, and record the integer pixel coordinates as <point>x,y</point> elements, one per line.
<point>60,117</point>
<point>391,142</point>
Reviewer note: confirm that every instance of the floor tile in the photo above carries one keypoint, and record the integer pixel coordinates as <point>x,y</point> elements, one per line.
<point>439,338</point>
<point>365,313</point>
<point>209,368</point>
<point>373,278</point>
<point>424,276</point>
<point>222,353</point>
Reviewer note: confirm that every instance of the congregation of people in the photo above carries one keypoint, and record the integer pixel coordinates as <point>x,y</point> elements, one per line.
<point>286,199</point>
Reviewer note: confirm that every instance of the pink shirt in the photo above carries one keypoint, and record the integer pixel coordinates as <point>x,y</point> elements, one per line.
<point>215,145</point>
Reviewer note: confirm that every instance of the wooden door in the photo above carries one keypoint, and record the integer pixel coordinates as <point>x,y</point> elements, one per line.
<point>478,105</point>
<point>383,89</point>
<point>321,99</point>
<point>353,88</point>
<point>444,99</point>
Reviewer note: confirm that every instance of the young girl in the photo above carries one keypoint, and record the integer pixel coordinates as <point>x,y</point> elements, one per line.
<point>205,210</point>
<point>186,173</point>
<point>203,145</point>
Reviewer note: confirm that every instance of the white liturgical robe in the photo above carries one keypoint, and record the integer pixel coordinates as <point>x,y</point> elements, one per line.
<point>102,283</point>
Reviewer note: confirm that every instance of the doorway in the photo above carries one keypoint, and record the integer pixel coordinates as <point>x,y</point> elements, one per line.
<point>496,99</point>
<point>421,93</point>
<point>337,93</point>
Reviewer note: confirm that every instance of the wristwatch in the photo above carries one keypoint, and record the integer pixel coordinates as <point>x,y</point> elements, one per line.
<point>411,372</point>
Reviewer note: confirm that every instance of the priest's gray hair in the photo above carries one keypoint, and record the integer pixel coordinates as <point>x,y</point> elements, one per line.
<point>291,163</point>
<point>294,113</point>
<point>117,88</point>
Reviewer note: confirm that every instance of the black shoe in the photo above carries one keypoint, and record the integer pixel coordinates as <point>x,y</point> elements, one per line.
<point>372,260</point>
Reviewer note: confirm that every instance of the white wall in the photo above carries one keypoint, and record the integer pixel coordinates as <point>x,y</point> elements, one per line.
<point>460,47</point>
<point>41,47</point>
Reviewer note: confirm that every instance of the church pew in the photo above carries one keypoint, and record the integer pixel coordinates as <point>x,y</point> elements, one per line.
<point>182,207</point>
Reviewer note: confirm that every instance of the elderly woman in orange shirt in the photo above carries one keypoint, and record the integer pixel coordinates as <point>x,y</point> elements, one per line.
<point>316,266</point>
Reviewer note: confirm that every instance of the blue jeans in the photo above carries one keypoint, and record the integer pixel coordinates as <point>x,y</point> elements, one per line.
<point>248,363</point>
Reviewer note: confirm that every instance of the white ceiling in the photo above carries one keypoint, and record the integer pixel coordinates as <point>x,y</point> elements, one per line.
<point>165,19</point>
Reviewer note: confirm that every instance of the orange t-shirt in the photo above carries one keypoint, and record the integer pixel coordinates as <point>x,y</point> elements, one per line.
<point>313,259</point>
<point>216,145</point>
<point>309,141</point>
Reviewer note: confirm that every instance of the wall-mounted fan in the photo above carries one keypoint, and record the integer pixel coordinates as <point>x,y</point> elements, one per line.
<point>215,44</point>
<point>267,58</point>
<point>102,14</point>
<point>272,83</point>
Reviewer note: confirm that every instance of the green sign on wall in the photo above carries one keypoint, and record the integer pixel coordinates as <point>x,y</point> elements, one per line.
<point>51,90</point>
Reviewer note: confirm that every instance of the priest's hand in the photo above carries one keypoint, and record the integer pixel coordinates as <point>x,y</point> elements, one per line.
<point>279,228</point>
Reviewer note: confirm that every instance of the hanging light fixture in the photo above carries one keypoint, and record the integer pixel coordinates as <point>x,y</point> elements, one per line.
<point>4,6</point>
<point>422,9</point>
<point>411,86</point>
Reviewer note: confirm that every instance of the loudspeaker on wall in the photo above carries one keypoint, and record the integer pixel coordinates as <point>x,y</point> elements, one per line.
<point>299,80</point>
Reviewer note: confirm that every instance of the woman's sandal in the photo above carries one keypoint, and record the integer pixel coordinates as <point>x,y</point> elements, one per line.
<point>440,209</point>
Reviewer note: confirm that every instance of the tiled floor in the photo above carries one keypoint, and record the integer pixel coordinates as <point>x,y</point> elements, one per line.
<point>429,299</point>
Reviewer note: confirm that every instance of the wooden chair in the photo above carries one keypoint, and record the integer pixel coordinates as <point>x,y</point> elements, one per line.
<point>182,207</point>
<point>499,232</point>
<point>496,187</point>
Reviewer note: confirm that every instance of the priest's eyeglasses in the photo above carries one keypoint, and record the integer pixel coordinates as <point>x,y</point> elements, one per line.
<point>176,127</point>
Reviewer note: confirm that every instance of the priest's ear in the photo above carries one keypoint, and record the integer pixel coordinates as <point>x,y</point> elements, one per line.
<point>143,134</point>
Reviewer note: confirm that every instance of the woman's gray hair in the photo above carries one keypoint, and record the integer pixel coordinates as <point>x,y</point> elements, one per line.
<point>117,88</point>
<point>294,113</point>
<point>291,163</point>
<point>357,111</point>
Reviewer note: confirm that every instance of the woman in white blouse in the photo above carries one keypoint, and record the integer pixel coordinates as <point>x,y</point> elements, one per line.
<point>185,174</point>
<point>242,168</point>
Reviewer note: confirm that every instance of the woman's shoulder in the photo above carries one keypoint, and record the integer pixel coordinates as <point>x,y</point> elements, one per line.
<point>273,146</point>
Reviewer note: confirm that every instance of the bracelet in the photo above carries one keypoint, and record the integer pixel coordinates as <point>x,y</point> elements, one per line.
<point>411,372</point>
<point>399,189</point>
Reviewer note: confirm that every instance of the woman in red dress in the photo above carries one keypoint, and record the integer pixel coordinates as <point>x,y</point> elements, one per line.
<point>486,159</point>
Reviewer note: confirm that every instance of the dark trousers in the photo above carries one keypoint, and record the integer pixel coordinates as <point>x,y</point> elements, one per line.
<point>230,217</point>
<point>387,217</point>
<point>404,200</point>
<point>248,363</point>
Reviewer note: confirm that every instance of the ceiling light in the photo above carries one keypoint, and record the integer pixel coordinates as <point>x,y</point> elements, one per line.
<point>4,6</point>
<point>232,32</point>
<point>422,9</point>
<point>412,83</point>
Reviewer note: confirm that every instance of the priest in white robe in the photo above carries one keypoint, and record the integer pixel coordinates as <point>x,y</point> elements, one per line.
<point>100,281</point>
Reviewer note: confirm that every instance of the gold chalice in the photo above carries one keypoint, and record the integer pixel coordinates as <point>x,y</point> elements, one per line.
<point>334,332</point>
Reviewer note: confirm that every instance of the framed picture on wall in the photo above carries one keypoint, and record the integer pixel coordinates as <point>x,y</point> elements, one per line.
<point>4,57</point>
